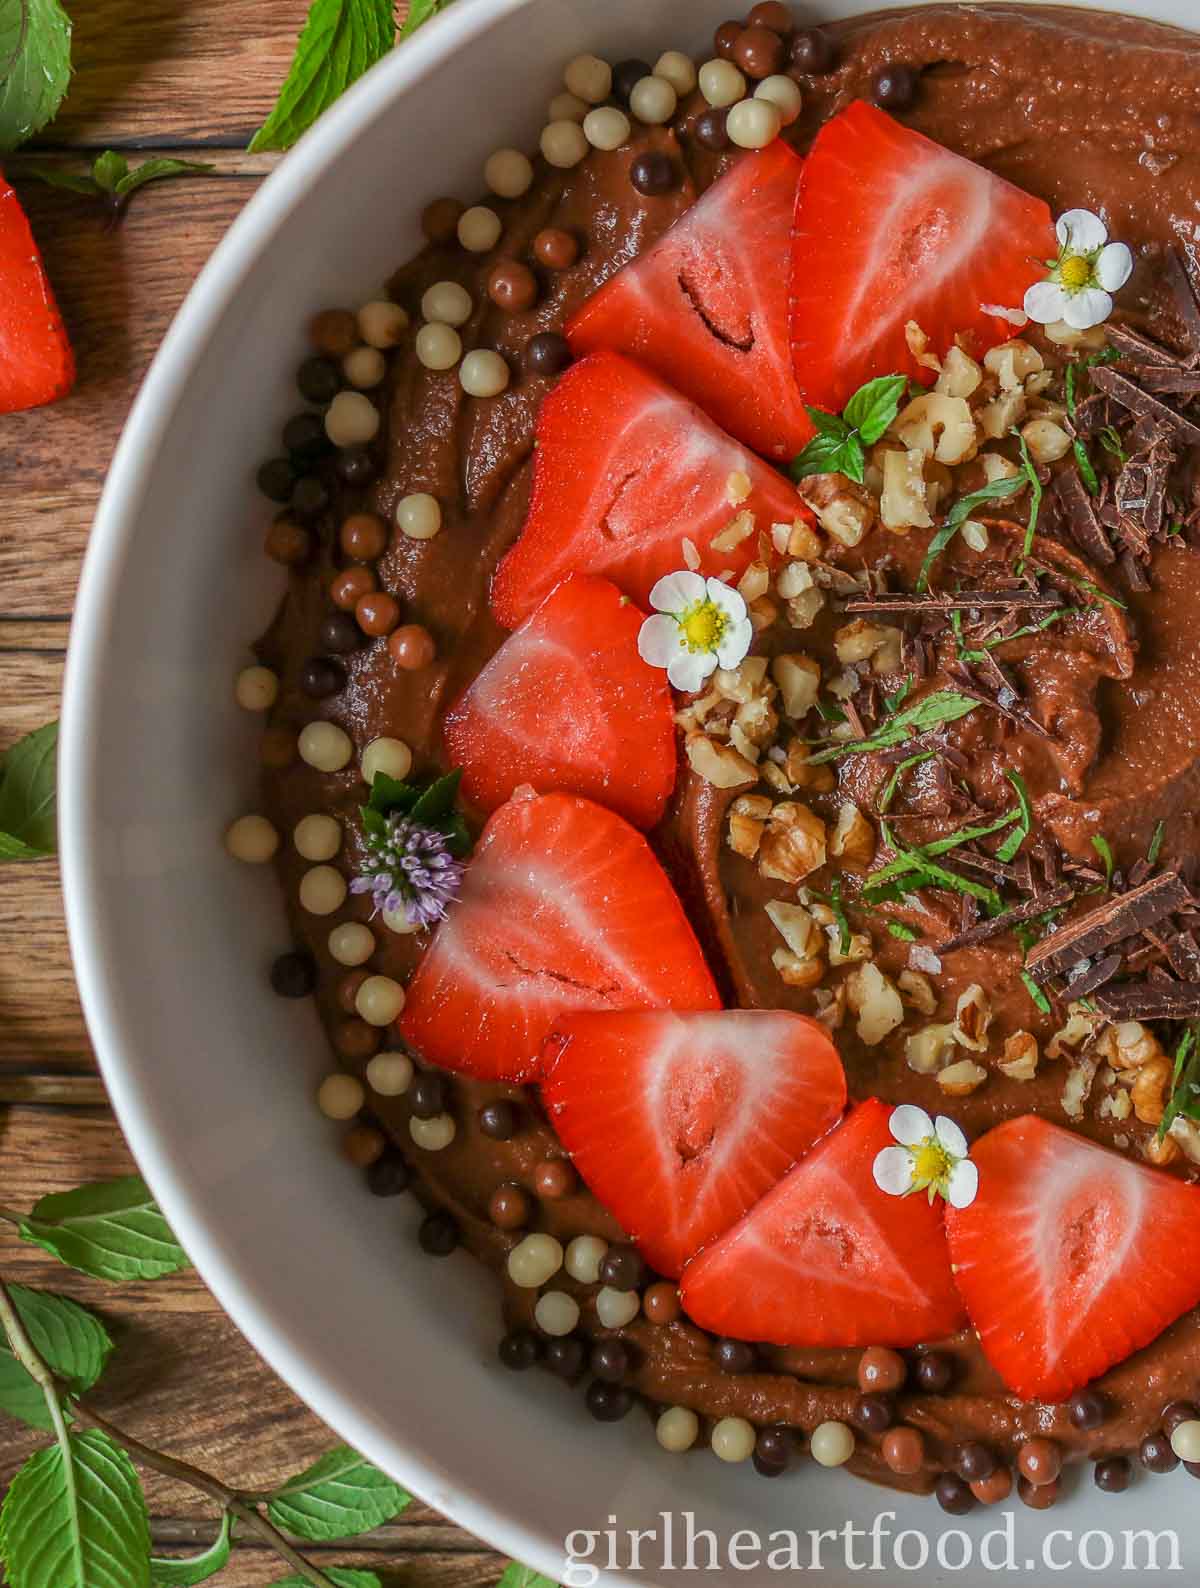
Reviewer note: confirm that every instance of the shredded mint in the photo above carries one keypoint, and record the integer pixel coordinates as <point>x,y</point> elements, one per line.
<point>340,40</point>
<point>1024,815</point>
<point>1110,440</point>
<point>839,446</point>
<point>1156,843</point>
<point>944,705</point>
<point>1035,501</point>
<point>1185,1083</point>
<point>1102,847</point>
<point>35,67</point>
<point>1035,992</point>
<point>903,932</point>
<point>840,916</point>
<point>957,517</point>
<point>912,870</point>
<point>896,699</point>
<point>893,783</point>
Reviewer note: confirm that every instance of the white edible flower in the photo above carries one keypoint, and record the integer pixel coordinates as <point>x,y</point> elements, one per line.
<point>1088,270</point>
<point>931,1156</point>
<point>700,625</point>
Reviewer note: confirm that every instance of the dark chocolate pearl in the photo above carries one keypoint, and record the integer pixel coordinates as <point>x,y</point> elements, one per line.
<point>759,53</point>
<point>608,1403</point>
<point>555,248</point>
<point>626,76</point>
<point>609,1361</point>
<point>356,1040</point>
<point>333,332</point>
<point>710,130</point>
<point>363,1145</point>
<point>439,220</point>
<point>995,1488</point>
<point>355,466</point>
<point>388,1176</point>
<point>733,1356</point>
<point>1179,1412</point>
<point>661,1302</point>
<point>953,1495</point>
<point>653,173</point>
<point>725,38</point>
<point>288,543</point>
<point>903,1449</point>
<point>438,1234</point>
<point>378,613</point>
<point>512,286</point>
<point>764,1468</point>
<point>565,1356</point>
<point>894,87</point>
<point>276,477</point>
<point>427,1094</point>
<point>1087,1410</point>
<point>321,677</point>
<point>934,1371</point>
<point>1113,1474</point>
<point>498,1120</point>
<point>347,989</point>
<point>318,380</point>
<point>339,633</point>
<point>520,1350</point>
<point>547,353</point>
<point>772,14</point>
<point>874,1414</point>
<point>363,536</point>
<point>310,496</point>
<point>622,1268</point>
<point>304,437</point>
<point>973,1462</point>
<point>1156,1454</point>
<point>812,53</point>
<point>294,975</point>
<point>774,1447</point>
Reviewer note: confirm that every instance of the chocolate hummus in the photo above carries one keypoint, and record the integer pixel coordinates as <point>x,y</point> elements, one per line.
<point>1079,109</point>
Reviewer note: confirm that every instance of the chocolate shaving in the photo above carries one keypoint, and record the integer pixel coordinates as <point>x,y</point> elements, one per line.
<point>1081,518</point>
<point>976,860</point>
<point>1156,378</point>
<point>1132,573</point>
<point>1132,344</point>
<point>1183,291</point>
<point>1025,911</point>
<point>1093,414</point>
<point>1092,976</point>
<point>1107,924</point>
<point>1027,598</point>
<point>1150,1000</point>
<point>1144,406</point>
<point>1183,952</point>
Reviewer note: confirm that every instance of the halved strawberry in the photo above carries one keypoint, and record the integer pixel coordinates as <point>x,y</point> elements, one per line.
<point>827,1258</point>
<point>680,1122</point>
<point>707,306</point>
<point>36,362</point>
<point>891,227</point>
<point>567,704</point>
<point>1071,1257</point>
<point>626,470</point>
<point>563,907</point>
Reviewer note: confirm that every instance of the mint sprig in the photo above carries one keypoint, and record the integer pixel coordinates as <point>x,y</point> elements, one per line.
<point>28,806</point>
<point>340,40</point>
<point>839,446</point>
<point>944,705</point>
<point>72,1342</point>
<point>112,179</point>
<point>434,804</point>
<point>340,1496</point>
<point>35,67</point>
<point>112,1229</point>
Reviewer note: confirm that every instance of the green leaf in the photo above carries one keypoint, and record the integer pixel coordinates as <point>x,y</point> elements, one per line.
<point>1103,848</point>
<point>515,1575</point>
<point>1156,843</point>
<point>957,517</point>
<point>111,1230</point>
<point>389,794</point>
<point>420,12</point>
<point>35,66</point>
<point>1035,499</point>
<point>58,176</point>
<point>1087,471</point>
<point>944,705</point>
<point>438,799</point>
<point>827,424</point>
<point>339,1496</point>
<point>68,1338</point>
<point>873,407</point>
<point>1035,992</point>
<point>893,783</point>
<point>110,170</point>
<point>1185,1083</point>
<point>340,40</point>
<point>196,1568</point>
<point>831,454</point>
<point>155,171</point>
<point>343,1576</point>
<point>1008,849</point>
<point>839,914</point>
<point>903,932</point>
<point>76,1518</point>
<point>28,806</point>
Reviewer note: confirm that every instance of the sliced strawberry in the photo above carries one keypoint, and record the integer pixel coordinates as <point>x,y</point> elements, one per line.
<point>36,362</point>
<point>707,306</point>
<point>891,227</point>
<point>1071,1257</point>
<point>680,1122</point>
<point>567,704</point>
<point>563,907</point>
<point>626,470</point>
<point>827,1258</point>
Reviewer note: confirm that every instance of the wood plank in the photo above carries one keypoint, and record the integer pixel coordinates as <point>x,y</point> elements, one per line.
<point>30,679</point>
<point>42,1029</point>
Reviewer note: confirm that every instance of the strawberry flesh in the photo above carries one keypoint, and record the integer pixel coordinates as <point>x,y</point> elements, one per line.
<point>36,362</point>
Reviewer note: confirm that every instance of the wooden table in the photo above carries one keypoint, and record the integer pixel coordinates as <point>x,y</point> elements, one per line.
<point>192,77</point>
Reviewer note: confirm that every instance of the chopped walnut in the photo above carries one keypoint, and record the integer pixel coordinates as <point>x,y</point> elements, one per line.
<point>1161,1153</point>
<point>1149,1090</point>
<point>997,467</point>
<point>718,764</point>
<point>691,556</point>
<point>797,928</point>
<point>1187,1133</point>
<point>1012,361</point>
<point>757,722</point>
<point>858,640</point>
<point>1117,1105</point>
<point>737,488</point>
<point>744,682</point>
<point>794,971</point>
<point>747,823</point>
<point>844,509</point>
<point>1079,1030</point>
<point>917,991</point>
<point>1047,442</point>
<point>793,579</point>
<point>1001,415</point>
<point>874,999</point>
<point>960,375</point>
<point>831,1006</point>
<point>802,610</point>
<point>762,613</point>
<point>755,582</point>
<point>799,678</point>
<point>972,1016</point>
<point>1078,1087</point>
<point>926,1051</point>
<point>1020,1061</point>
<point>903,504</point>
<point>799,540</point>
<point>853,838</point>
<point>1064,335</point>
<point>1128,1045</point>
<point>858,946</point>
<point>735,532</point>
<point>962,1078</point>
<point>802,774</point>
<point>937,426</point>
<point>793,845</point>
<point>774,776</point>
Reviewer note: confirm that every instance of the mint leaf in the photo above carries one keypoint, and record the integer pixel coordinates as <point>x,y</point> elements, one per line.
<point>420,12</point>
<point>196,1568</point>
<point>339,41</point>
<point>155,170</point>
<point>957,517</point>
<point>111,1230</point>
<point>1156,843</point>
<point>1008,849</point>
<point>340,1495</point>
<point>873,407</point>
<point>111,179</point>
<point>68,1338</point>
<point>35,67</point>
<point>28,807</point>
<point>109,171</point>
<point>344,1578</point>
<point>517,1576</point>
<point>1035,501</point>
<point>1185,1083</point>
<point>1039,998</point>
<point>75,1517</point>
<point>59,176</point>
<point>944,705</point>
<point>437,801</point>
<point>1102,847</point>
<point>903,932</point>
<point>831,453</point>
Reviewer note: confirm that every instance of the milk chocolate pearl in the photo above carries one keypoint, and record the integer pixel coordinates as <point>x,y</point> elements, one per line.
<point>653,173</point>
<point>565,1356</point>
<point>438,1234</point>
<point>294,975</point>
<point>725,39</point>
<point>411,647</point>
<point>974,1461</point>
<point>512,286</point>
<point>1156,1454</point>
<point>288,543</point>
<point>346,588</point>
<point>953,1495</point>
<point>874,1413</point>
<point>510,1207</point>
<point>934,1371</point>
<point>812,53</point>
<point>439,221</point>
<point>1039,1461</point>
<point>520,1350</point>
<point>277,748</point>
<point>276,478</point>
<point>661,1302</point>
<point>554,1179</point>
<point>363,1145</point>
<point>609,1361</point>
<point>894,87</point>
<point>339,633</point>
<point>498,1120</point>
<point>772,14</point>
<point>1039,1497</point>
<point>548,353</point>
<point>321,677</point>
<point>759,53</point>
<point>318,380</point>
<point>346,992</point>
<point>389,1177</point>
<point>1113,1474</point>
<point>733,1356</point>
<point>994,1489</point>
<point>1087,1410</point>
<point>555,248</point>
<point>880,1371</point>
<point>710,131</point>
<point>364,536</point>
<point>903,1449</point>
<point>355,1039</point>
<point>378,613</point>
<point>626,76</point>
<point>355,465</point>
<point>608,1403</point>
<point>333,332</point>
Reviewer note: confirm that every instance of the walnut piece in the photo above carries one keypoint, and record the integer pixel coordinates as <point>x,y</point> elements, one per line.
<point>874,999</point>
<point>799,680</point>
<point>903,504</point>
<point>853,838</point>
<point>718,764</point>
<point>1020,1059</point>
<point>793,845</point>
<point>962,1078</point>
<point>938,426</point>
<point>917,991</point>
<point>844,509</point>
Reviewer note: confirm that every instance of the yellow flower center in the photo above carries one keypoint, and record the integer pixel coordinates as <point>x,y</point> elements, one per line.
<point>931,1163</point>
<point>701,626</point>
<point>1076,271</point>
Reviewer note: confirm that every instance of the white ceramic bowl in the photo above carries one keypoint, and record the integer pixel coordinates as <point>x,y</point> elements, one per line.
<point>212,1077</point>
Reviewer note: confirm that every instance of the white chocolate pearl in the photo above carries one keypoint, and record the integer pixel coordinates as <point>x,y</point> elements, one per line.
<point>784,94</point>
<point>1185,1441</point>
<point>721,83</point>
<point>382,324</point>
<point>390,1074</point>
<point>252,839</point>
<point>567,107</point>
<point>653,100</point>
<point>589,77</point>
<point>678,69</point>
<point>606,128</point>
<point>508,173</point>
<point>832,1444</point>
<point>753,123</point>
<point>351,943</point>
<point>435,1134</point>
<point>364,367</point>
<point>616,1308</point>
<point>391,756</point>
<point>479,229</point>
<point>340,1096</point>
<point>563,144</point>
<point>677,1429</point>
<point>483,373</point>
<point>325,746</point>
<point>732,1439</point>
<point>317,837</point>
<point>256,689</point>
<point>446,303</point>
<point>419,516</point>
<point>556,1313</point>
<point>322,890</point>
<point>398,921</point>
<point>379,1000</point>
<point>438,346</point>
<point>351,419</point>
<point>584,1256</point>
<point>534,1260</point>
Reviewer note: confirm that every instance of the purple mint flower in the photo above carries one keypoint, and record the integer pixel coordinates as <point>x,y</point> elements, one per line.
<point>410,870</point>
